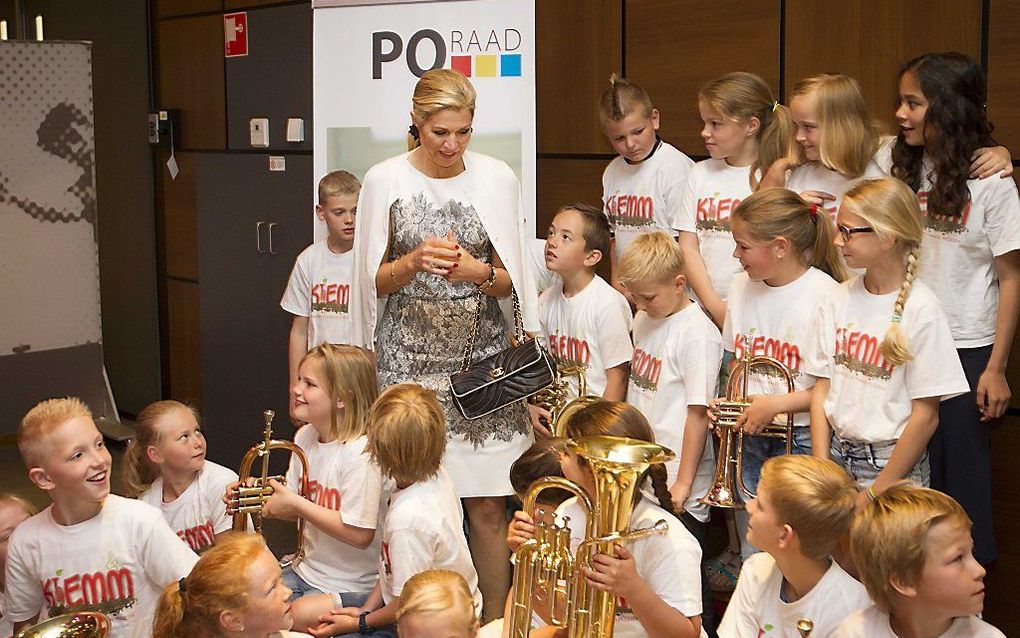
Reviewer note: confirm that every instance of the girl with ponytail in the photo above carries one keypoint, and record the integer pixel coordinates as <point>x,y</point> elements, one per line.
<point>746,131</point>
<point>657,578</point>
<point>165,466</point>
<point>235,589</point>
<point>971,261</point>
<point>883,353</point>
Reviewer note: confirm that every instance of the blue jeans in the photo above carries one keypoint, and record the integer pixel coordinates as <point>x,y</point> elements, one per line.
<point>759,449</point>
<point>865,460</point>
<point>297,585</point>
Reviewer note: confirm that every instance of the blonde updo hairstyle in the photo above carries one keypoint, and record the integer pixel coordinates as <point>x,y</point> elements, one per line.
<point>891,208</point>
<point>437,591</point>
<point>437,90</point>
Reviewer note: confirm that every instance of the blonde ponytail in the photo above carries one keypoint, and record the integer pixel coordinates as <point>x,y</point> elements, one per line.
<point>139,472</point>
<point>774,140</point>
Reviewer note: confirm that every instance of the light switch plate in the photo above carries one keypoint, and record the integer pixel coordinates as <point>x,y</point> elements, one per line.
<point>295,129</point>
<point>258,128</point>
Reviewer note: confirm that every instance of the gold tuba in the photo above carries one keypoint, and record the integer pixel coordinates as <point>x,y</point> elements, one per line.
<point>728,488</point>
<point>83,624</point>
<point>545,565</point>
<point>556,397</point>
<point>247,500</point>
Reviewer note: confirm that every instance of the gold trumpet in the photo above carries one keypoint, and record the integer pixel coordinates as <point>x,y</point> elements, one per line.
<point>556,397</point>
<point>545,565</point>
<point>248,499</point>
<point>84,624</point>
<point>728,488</point>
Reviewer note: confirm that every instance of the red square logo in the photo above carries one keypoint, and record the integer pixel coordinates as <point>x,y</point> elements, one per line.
<point>235,34</point>
<point>461,63</point>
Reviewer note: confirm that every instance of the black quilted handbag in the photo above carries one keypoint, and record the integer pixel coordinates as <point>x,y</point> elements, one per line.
<point>506,377</point>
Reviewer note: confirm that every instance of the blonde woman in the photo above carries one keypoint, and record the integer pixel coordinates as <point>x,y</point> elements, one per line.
<point>436,227</point>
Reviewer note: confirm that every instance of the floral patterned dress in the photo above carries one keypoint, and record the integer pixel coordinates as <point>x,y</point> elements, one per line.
<point>425,326</point>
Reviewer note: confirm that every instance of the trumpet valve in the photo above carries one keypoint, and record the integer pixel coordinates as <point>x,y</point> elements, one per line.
<point>729,412</point>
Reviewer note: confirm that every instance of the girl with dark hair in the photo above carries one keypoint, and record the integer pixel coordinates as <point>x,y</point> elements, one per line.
<point>970,260</point>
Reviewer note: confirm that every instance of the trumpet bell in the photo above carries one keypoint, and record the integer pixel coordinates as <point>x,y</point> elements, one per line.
<point>618,450</point>
<point>84,624</point>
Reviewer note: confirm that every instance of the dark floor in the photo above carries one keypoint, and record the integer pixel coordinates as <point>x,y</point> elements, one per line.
<point>1002,582</point>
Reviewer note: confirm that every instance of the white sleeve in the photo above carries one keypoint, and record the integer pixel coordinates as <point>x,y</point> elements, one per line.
<point>935,369</point>
<point>739,619</point>
<point>163,555</point>
<point>1002,217</point>
<point>612,325</point>
<point>734,309</point>
<point>685,219</point>
<point>675,193</point>
<point>294,470</point>
<point>702,359</point>
<point>360,491</point>
<point>296,299</point>
<point>23,597</point>
<point>820,344</point>
<point>677,578</point>
<point>411,552</point>
<point>221,521</point>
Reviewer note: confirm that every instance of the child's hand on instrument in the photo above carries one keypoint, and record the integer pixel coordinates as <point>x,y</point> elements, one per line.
<point>537,414</point>
<point>520,530</point>
<point>284,504</point>
<point>337,622</point>
<point>615,574</point>
<point>713,412</point>
<point>758,414</point>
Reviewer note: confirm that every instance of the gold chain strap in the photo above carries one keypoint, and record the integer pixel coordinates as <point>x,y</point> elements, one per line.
<point>518,325</point>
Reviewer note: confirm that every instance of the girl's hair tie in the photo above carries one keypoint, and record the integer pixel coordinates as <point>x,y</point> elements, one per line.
<point>775,106</point>
<point>413,131</point>
<point>181,587</point>
<point>814,213</point>
<point>897,317</point>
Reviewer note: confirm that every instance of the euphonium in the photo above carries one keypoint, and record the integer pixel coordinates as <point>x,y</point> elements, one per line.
<point>545,565</point>
<point>84,624</point>
<point>249,499</point>
<point>728,488</point>
<point>556,397</point>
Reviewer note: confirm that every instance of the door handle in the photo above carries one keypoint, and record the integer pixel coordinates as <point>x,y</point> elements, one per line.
<point>258,237</point>
<point>272,225</point>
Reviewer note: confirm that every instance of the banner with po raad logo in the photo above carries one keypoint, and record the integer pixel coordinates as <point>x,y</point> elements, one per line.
<point>368,55</point>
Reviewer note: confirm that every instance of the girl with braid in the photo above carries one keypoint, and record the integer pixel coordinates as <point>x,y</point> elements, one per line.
<point>883,352</point>
<point>657,579</point>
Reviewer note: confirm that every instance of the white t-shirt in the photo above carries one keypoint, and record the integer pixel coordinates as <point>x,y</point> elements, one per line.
<point>341,476</point>
<point>714,190</point>
<point>592,329</point>
<point>814,176</point>
<point>117,562</point>
<point>644,197</point>
<point>757,609</point>
<point>958,256</point>
<point>676,364</point>
<point>424,530</point>
<point>197,514</point>
<point>319,288</point>
<point>6,626</point>
<point>780,318</point>
<point>874,623</point>
<point>670,564</point>
<point>869,399</point>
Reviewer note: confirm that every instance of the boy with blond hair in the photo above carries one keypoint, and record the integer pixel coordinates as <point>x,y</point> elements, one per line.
<point>585,321</point>
<point>675,367</point>
<point>914,552</point>
<point>803,507</point>
<point>319,288</point>
<point>424,525</point>
<point>90,550</point>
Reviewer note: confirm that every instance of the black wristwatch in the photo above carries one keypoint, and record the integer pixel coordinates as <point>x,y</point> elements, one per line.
<point>363,623</point>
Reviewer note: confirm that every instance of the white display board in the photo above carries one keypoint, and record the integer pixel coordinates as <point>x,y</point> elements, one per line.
<point>368,57</point>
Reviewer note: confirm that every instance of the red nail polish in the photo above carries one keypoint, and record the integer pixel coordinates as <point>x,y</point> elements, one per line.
<point>458,255</point>
<point>455,265</point>
<point>457,246</point>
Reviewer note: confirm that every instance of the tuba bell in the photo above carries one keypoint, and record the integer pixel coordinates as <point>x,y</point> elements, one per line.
<point>546,567</point>
<point>556,397</point>
<point>248,500</point>
<point>83,624</point>
<point>728,487</point>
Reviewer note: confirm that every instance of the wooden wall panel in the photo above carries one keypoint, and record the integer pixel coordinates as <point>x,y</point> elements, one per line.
<point>1003,579</point>
<point>871,39</point>
<point>190,61</point>
<point>170,8</point>
<point>579,43</point>
<point>179,222</point>
<point>185,353</point>
<point>238,5</point>
<point>674,47</point>
<point>568,181</point>
<point>1004,72</point>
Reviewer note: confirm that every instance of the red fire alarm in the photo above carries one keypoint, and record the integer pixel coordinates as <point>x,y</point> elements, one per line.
<point>235,34</point>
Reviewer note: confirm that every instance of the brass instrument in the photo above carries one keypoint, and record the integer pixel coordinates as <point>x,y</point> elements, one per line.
<point>84,624</point>
<point>804,627</point>
<point>248,500</point>
<point>728,488</point>
<point>556,397</point>
<point>545,565</point>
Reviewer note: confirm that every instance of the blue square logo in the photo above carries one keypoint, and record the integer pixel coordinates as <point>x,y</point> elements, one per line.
<point>510,65</point>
